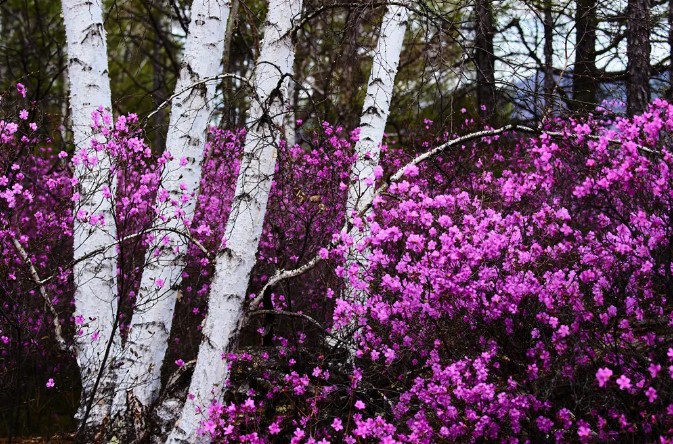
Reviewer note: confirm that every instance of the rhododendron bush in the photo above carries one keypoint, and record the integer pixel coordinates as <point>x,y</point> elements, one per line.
<point>514,287</point>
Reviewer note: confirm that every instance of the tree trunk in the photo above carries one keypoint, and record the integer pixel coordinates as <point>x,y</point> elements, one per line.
<point>638,53</point>
<point>670,50</point>
<point>95,278</point>
<point>485,60</point>
<point>549,80</point>
<point>375,114</point>
<point>244,227</point>
<point>140,374</point>
<point>584,72</point>
<point>377,107</point>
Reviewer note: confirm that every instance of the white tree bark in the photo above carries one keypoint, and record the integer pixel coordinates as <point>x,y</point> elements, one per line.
<point>376,108</point>
<point>375,114</point>
<point>94,278</point>
<point>244,226</point>
<point>147,342</point>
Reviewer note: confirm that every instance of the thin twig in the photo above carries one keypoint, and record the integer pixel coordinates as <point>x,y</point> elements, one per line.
<point>195,84</point>
<point>58,331</point>
<point>281,275</point>
<point>297,315</point>
<point>104,248</point>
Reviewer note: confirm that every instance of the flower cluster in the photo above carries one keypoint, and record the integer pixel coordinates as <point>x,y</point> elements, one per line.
<point>526,294</point>
<point>515,288</point>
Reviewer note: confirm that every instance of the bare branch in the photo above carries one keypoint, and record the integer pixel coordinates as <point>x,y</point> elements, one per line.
<point>297,315</point>
<point>193,85</point>
<point>104,248</point>
<point>282,275</point>
<point>58,331</point>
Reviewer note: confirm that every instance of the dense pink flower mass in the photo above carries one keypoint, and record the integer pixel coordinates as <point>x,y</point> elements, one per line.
<point>515,288</point>
<point>538,271</point>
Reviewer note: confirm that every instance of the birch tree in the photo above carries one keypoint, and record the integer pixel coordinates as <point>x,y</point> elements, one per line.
<point>94,278</point>
<point>191,109</point>
<point>376,108</point>
<point>244,226</point>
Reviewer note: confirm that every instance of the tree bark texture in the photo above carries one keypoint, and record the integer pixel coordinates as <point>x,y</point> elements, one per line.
<point>638,53</point>
<point>244,226</point>
<point>140,372</point>
<point>94,278</point>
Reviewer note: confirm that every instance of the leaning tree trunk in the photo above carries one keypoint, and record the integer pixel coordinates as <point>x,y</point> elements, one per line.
<point>139,378</point>
<point>94,277</point>
<point>244,226</point>
<point>376,107</point>
<point>638,53</point>
<point>373,121</point>
<point>485,59</point>
<point>585,79</point>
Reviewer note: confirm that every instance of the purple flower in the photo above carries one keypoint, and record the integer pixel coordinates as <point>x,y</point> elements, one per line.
<point>603,375</point>
<point>624,382</point>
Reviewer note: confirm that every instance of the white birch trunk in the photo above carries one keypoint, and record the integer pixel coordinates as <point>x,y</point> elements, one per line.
<point>290,119</point>
<point>94,278</point>
<point>151,323</point>
<point>375,114</point>
<point>376,108</point>
<point>244,227</point>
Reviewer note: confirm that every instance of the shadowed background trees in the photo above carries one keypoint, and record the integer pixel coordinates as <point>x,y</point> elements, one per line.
<point>509,56</point>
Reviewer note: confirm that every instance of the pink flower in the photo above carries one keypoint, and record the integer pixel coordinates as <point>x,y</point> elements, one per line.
<point>651,394</point>
<point>584,431</point>
<point>23,114</point>
<point>180,363</point>
<point>337,424</point>
<point>359,405</point>
<point>21,89</point>
<point>50,383</point>
<point>603,375</point>
<point>274,429</point>
<point>624,382</point>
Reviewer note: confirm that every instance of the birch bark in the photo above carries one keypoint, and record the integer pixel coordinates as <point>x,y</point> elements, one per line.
<point>376,107</point>
<point>375,114</point>
<point>140,373</point>
<point>244,226</point>
<point>95,278</point>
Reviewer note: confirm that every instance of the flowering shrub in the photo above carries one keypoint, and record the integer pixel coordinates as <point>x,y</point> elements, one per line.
<point>516,289</point>
<point>517,292</point>
<point>35,214</point>
<point>527,297</point>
